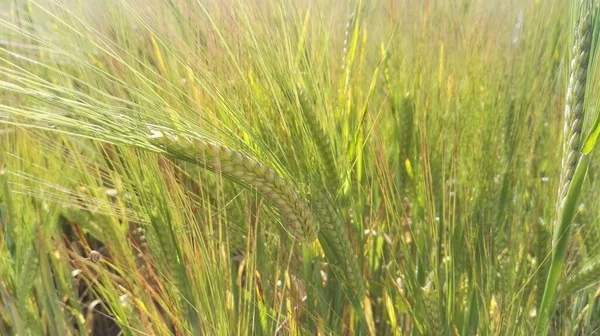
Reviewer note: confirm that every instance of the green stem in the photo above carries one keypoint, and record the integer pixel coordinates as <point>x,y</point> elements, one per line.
<point>560,243</point>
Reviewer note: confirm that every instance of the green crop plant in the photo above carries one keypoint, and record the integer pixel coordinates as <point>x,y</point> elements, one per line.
<point>189,167</point>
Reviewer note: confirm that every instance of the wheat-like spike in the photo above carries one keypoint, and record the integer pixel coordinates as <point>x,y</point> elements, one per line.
<point>334,232</point>
<point>574,106</point>
<point>586,277</point>
<point>432,310</point>
<point>322,142</point>
<point>242,168</point>
<point>573,170</point>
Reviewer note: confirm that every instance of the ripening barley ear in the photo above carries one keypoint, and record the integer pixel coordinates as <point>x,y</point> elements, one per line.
<point>248,171</point>
<point>574,167</point>
<point>586,277</point>
<point>333,234</point>
<point>322,142</point>
<point>574,108</point>
<point>433,313</point>
<point>294,208</point>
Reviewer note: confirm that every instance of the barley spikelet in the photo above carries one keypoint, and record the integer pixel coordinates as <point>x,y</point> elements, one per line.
<point>332,230</point>
<point>586,277</point>
<point>241,168</point>
<point>322,142</point>
<point>575,106</point>
<point>432,310</point>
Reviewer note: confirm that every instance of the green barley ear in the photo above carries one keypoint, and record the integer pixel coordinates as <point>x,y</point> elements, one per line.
<point>321,141</point>
<point>295,209</point>
<point>588,276</point>
<point>574,108</point>
<point>247,171</point>
<point>338,247</point>
<point>592,136</point>
<point>432,306</point>
<point>573,170</point>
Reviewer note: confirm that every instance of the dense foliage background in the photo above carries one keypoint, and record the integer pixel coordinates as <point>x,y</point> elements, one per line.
<point>429,134</point>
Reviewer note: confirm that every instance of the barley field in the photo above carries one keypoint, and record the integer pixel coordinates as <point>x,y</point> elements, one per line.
<point>299,167</point>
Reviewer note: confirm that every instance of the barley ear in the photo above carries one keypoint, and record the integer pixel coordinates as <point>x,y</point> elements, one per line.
<point>574,109</point>
<point>247,171</point>
<point>588,276</point>
<point>573,170</point>
<point>334,237</point>
<point>322,142</point>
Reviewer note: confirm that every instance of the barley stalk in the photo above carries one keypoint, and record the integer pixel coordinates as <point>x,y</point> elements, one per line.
<point>542,240</point>
<point>242,168</point>
<point>406,121</point>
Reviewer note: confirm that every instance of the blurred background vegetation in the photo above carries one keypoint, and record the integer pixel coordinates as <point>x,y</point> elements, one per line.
<point>432,128</point>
